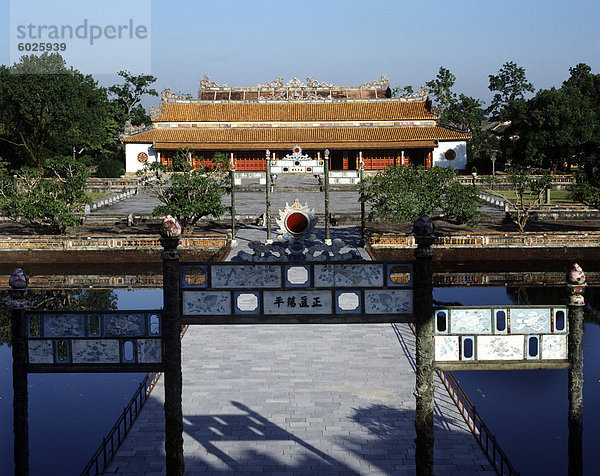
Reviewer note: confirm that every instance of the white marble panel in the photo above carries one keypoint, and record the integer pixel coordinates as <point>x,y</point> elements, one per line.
<point>363,275</point>
<point>388,301</point>
<point>95,351</point>
<point>149,350</point>
<point>471,321</point>
<point>204,303</point>
<point>297,274</point>
<point>297,302</point>
<point>124,325</point>
<point>530,321</point>
<point>64,325</point>
<point>504,347</point>
<point>446,348</point>
<point>246,276</point>
<point>40,352</point>
<point>554,346</point>
<point>348,301</point>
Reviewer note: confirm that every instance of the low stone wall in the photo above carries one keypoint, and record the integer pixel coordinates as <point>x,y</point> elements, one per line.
<point>105,242</point>
<point>492,240</point>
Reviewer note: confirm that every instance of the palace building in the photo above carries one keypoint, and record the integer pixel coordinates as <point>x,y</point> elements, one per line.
<point>359,123</point>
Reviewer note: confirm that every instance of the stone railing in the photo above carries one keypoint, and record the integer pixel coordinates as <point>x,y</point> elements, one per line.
<point>492,240</point>
<point>105,242</point>
<point>501,180</point>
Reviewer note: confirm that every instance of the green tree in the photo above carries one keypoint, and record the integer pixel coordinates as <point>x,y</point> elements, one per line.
<point>129,94</point>
<point>400,194</point>
<point>511,84</point>
<point>47,109</point>
<point>399,92</point>
<point>188,194</point>
<point>469,112</point>
<point>441,88</point>
<point>50,200</point>
<point>528,187</point>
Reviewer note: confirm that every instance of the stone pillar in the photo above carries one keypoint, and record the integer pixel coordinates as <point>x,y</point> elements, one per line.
<point>363,218</point>
<point>170,232</point>
<point>268,197</point>
<point>19,283</point>
<point>423,309</point>
<point>576,285</point>
<point>232,185</point>
<point>326,189</point>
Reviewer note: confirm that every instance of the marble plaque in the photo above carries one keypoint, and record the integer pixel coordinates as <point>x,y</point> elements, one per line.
<point>446,348</point>
<point>530,321</point>
<point>246,276</point>
<point>125,325</point>
<point>348,300</point>
<point>388,301</point>
<point>554,347</point>
<point>297,302</point>
<point>95,351</point>
<point>246,302</point>
<point>355,275</point>
<point>149,350</point>
<point>504,347</point>
<point>64,325</point>
<point>40,352</point>
<point>297,275</point>
<point>471,321</point>
<point>204,303</point>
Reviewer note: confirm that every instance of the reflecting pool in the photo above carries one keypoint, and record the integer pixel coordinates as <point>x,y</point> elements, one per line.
<point>70,413</point>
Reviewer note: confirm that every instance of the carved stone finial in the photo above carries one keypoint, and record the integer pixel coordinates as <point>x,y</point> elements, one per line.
<point>326,153</point>
<point>170,228</point>
<point>576,284</point>
<point>19,283</point>
<point>576,275</point>
<point>423,225</point>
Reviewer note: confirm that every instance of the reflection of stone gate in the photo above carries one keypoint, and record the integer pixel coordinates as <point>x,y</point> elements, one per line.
<point>290,293</point>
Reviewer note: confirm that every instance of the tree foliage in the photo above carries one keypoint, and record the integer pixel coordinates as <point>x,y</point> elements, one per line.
<point>511,85</point>
<point>400,194</point>
<point>129,94</point>
<point>558,127</point>
<point>187,194</point>
<point>529,186</point>
<point>441,88</point>
<point>50,198</point>
<point>47,109</point>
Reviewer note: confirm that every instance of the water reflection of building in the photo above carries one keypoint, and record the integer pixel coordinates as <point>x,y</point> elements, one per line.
<point>354,123</point>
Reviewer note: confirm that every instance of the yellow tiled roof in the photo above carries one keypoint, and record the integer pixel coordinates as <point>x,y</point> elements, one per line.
<point>307,137</point>
<point>294,111</point>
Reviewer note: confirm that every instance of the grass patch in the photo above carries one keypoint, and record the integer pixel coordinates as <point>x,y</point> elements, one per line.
<point>95,195</point>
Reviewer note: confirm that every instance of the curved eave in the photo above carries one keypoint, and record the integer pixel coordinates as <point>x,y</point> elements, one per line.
<point>313,137</point>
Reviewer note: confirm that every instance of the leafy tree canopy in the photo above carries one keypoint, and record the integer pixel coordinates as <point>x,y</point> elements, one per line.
<point>50,200</point>
<point>400,194</point>
<point>129,94</point>
<point>441,88</point>
<point>188,194</point>
<point>511,84</point>
<point>47,109</point>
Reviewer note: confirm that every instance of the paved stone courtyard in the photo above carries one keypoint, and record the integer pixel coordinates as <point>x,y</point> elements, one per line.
<point>308,399</point>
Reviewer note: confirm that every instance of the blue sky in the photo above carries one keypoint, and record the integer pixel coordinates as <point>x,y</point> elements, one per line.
<point>348,42</point>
